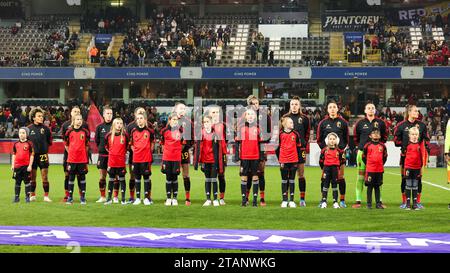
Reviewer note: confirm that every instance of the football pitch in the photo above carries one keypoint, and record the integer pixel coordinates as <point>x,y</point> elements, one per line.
<point>434,218</point>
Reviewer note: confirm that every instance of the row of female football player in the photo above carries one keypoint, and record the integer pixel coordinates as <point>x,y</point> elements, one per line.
<point>114,140</point>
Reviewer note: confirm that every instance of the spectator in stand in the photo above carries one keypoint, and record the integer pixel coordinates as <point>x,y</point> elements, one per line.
<point>93,54</point>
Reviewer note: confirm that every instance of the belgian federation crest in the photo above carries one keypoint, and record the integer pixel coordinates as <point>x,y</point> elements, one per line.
<point>300,120</point>
<point>81,136</point>
<point>339,124</point>
<point>145,136</point>
<point>42,131</point>
<point>25,148</point>
<point>375,124</point>
<point>380,149</point>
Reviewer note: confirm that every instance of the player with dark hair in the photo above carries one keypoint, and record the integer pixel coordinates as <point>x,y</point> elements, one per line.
<point>76,141</point>
<point>334,123</point>
<point>302,126</point>
<point>102,164</point>
<point>41,137</point>
<point>171,139</point>
<point>374,157</point>
<point>331,158</point>
<point>362,130</point>
<point>401,139</point>
<point>22,162</point>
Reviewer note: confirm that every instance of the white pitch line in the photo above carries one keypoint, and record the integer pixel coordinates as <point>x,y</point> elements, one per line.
<point>427,182</point>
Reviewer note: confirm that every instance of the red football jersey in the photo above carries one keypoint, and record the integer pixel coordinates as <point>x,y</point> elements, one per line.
<point>141,141</point>
<point>22,151</point>
<point>375,155</point>
<point>220,130</point>
<point>77,140</point>
<point>171,139</point>
<point>289,141</point>
<point>249,136</point>
<point>331,157</point>
<point>413,159</point>
<point>117,149</point>
<point>206,147</point>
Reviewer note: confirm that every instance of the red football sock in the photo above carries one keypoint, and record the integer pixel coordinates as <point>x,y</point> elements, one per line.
<point>261,194</point>
<point>222,195</point>
<point>67,193</point>
<point>302,195</point>
<point>404,198</point>
<point>188,195</point>
<point>418,197</point>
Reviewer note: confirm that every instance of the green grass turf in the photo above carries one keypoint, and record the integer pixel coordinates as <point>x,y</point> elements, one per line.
<point>435,217</point>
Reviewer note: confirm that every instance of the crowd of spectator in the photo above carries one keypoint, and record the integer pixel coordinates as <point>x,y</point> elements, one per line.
<point>397,47</point>
<point>57,45</point>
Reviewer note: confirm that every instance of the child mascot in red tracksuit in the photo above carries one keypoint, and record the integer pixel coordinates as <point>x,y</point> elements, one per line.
<point>374,156</point>
<point>331,158</point>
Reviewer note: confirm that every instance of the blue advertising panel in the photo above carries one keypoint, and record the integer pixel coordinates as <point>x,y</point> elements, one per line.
<point>356,72</point>
<point>103,38</point>
<point>36,73</point>
<point>246,73</point>
<point>437,72</point>
<point>138,73</point>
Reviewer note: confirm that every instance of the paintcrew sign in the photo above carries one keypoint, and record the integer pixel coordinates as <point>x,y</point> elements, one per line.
<point>296,240</point>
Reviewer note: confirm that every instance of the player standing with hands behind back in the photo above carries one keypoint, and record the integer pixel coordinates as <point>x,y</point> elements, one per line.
<point>77,145</point>
<point>142,141</point>
<point>41,137</point>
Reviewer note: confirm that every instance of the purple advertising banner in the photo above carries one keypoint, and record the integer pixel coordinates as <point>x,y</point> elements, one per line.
<point>284,240</point>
